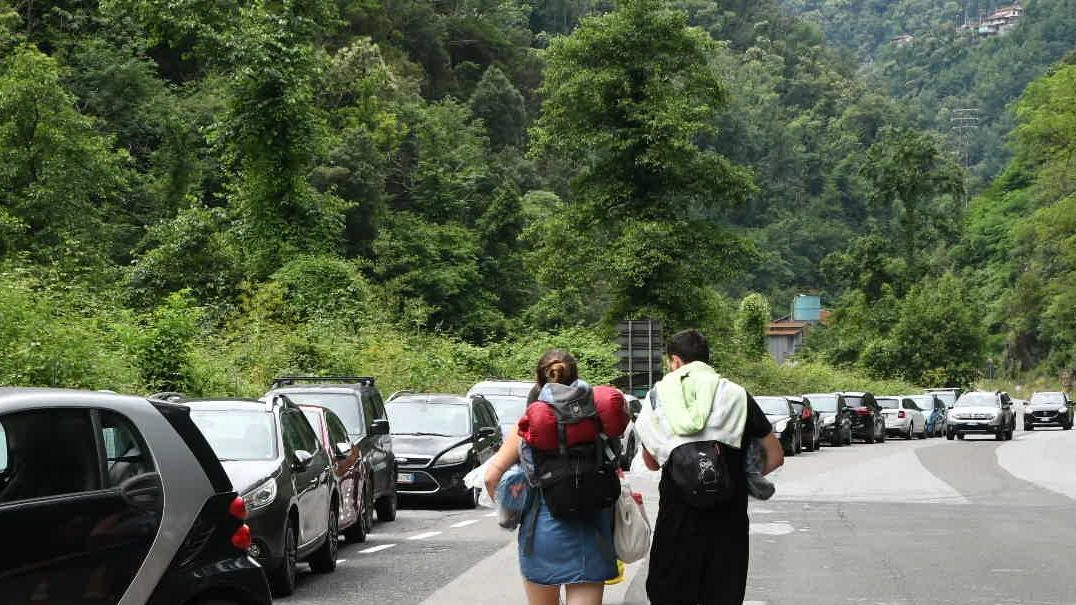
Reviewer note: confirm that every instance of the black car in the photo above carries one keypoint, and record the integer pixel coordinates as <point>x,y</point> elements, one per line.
<point>440,438</point>
<point>835,417</point>
<point>276,461</point>
<point>785,421</point>
<point>1049,408</point>
<point>811,424</point>
<point>868,423</point>
<point>108,498</point>
<point>357,401</point>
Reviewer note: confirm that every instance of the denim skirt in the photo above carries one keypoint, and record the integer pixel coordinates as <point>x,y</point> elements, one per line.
<point>556,551</point>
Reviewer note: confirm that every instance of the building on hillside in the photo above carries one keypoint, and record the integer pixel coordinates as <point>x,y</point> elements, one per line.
<point>785,336</point>
<point>997,22</point>
<point>901,40</point>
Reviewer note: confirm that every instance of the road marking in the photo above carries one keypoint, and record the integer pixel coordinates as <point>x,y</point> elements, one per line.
<point>491,514</point>
<point>374,549</point>
<point>780,528</point>
<point>464,523</point>
<point>428,534</point>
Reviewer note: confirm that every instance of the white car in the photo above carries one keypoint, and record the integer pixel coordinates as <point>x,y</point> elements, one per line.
<point>902,417</point>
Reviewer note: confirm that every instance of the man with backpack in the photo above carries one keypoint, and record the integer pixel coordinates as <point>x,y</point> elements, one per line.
<point>694,427</point>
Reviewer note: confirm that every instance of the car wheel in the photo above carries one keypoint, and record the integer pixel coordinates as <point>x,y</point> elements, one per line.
<point>324,558</point>
<point>960,436</point>
<point>881,435</point>
<point>799,442</point>
<point>1029,427</point>
<point>386,508</point>
<point>282,579</point>
<point>1000,434</point>
<point>949,435</point>
<point>1067,427</point>
<point>357,532</point>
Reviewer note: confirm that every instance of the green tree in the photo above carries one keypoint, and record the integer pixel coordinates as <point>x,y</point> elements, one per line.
<point>912,175</point>
<point>501,108</point>
<point>629,96</point>
<point>752,319</point>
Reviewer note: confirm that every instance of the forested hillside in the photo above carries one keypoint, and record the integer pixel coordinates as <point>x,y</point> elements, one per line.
<point>940,68</point>
<point>198,195</point>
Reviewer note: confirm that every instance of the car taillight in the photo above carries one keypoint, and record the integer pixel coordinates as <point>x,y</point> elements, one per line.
<point>900,414</point>
<point>863,411</point>
<point>238,509</point>
<point>241,538</point>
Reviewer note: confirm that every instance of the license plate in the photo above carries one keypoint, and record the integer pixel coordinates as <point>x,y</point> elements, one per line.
<point>405,478</point>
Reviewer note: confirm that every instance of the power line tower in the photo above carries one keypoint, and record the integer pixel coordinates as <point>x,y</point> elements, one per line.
<point>963,121</point>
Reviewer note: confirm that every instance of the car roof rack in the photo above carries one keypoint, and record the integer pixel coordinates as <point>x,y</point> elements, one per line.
<point>399,394</point>
<point>287,381</point>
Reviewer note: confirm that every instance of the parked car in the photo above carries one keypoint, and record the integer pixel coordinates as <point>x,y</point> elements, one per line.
<point>934,412</point>
<point>351,469</point>
<point>1049,408</point>
<point>439,439</point>
<point>285,476</point>
<point>84,479</point>
<point>948,395</point>
<point>810,424</point>
<point>902,417</point>
<point>786,423</point>
<point>509,398</point>
<point>835,417</point>
<point>982,412</point>
<point>867,421</point>
<point>358,403</point>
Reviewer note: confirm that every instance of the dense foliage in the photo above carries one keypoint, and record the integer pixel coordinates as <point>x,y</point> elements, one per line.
<point>198,195</point>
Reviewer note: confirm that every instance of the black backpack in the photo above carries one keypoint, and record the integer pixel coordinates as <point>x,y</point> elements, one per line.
<point>579,480</point>
<point>701,472</point>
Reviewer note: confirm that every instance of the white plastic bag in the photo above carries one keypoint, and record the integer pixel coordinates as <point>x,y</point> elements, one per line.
<point>476,479</point>
<point>631,527</point>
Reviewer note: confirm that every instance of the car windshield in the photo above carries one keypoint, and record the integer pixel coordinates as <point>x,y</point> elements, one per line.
<point>238,434</point>
<point>1047,398</point>
<point>314,418</point>
<point>855,401</point>
<point>798,408</point>
<point>824,403</point>
<point>947,397</point>
<point>923,402</point>
<point>509,408</point>
<point>888,404</point>
<point>421,418</point>
<point>345,405</point>
<point>772,406</point>
<point>971,400</point>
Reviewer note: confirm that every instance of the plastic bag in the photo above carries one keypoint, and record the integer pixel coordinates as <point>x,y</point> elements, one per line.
<point>476,479</point>
<point>631,527</point>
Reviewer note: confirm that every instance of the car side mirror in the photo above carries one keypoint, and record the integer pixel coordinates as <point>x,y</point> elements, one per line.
<point>487,432</point>
<point>379,427</point>
<point>301,459</point>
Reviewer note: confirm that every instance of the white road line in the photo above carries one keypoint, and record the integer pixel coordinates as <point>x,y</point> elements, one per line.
<point>374,549</point>
<point>464,523</point>
<point>428,534</point>
<point>491,514</point>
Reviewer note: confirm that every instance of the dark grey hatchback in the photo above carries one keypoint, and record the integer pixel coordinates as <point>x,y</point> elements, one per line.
<point>285,477</point>
<point>108,498</point>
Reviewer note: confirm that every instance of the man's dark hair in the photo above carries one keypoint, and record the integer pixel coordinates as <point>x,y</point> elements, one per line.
<point>689,345</point>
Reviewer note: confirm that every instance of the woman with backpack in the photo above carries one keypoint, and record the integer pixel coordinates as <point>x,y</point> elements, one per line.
<point>565,537</point>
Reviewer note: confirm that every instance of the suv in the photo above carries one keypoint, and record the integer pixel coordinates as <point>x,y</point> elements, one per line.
<point>358,403</point>
<point>982,412</point>
<point>509,398</point>
<point>1048,408</point>
<point>84,478</point>
<point>868,423</point>
<point>277,462</point>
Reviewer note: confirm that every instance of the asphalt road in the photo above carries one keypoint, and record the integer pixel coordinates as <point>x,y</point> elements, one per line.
<point>905,522</point>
